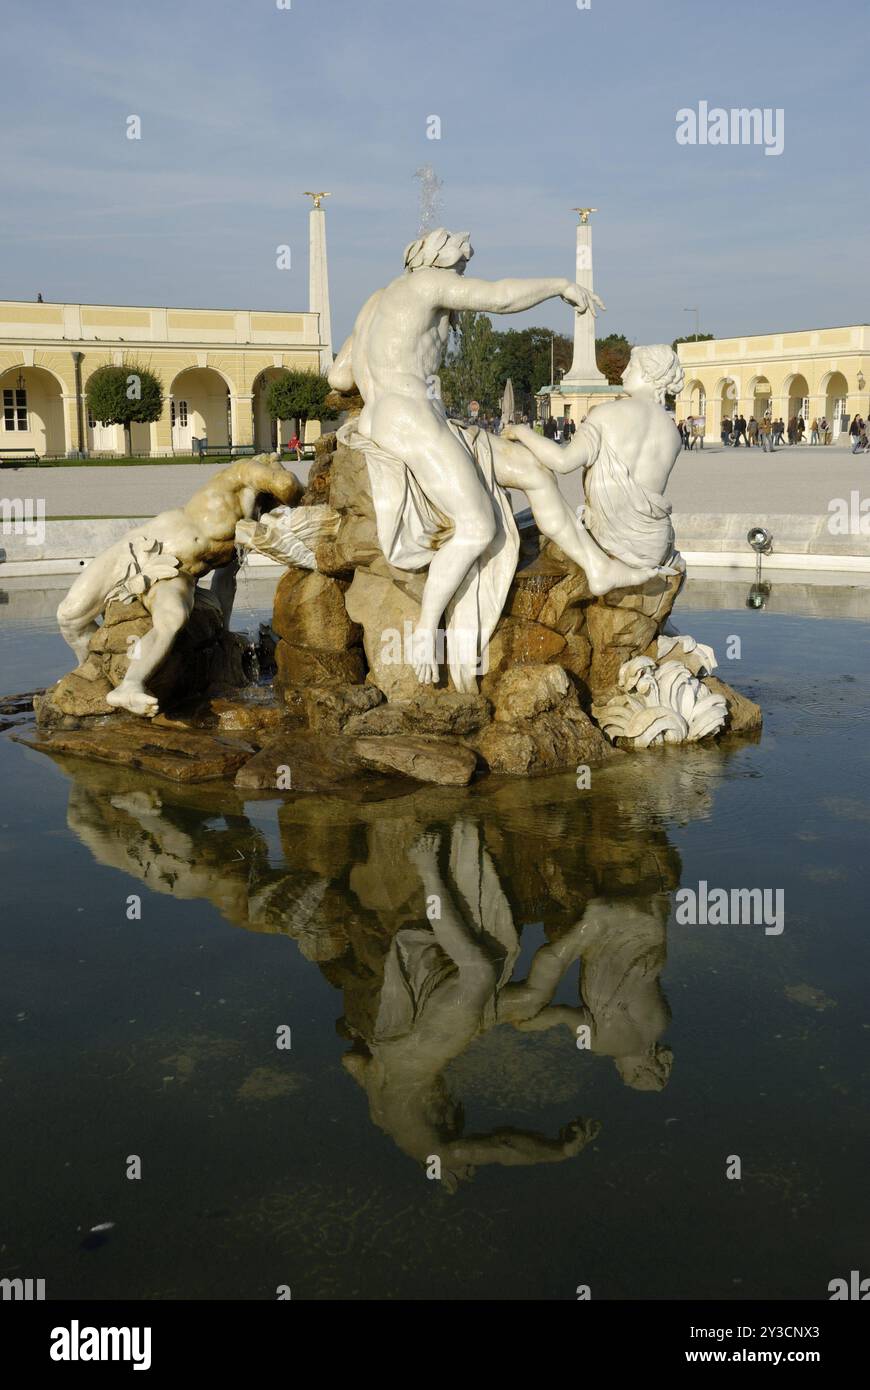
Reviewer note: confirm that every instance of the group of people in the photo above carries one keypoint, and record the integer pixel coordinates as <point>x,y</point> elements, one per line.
<point>766,433</point>
<point>559,428</point>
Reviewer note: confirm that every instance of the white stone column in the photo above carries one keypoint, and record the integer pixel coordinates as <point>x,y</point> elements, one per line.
<point>318,280</point>
<point>584,370</point>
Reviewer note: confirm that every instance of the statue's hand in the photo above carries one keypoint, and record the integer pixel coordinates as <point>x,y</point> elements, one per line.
<point>582,299</point>
<point>516,432</point>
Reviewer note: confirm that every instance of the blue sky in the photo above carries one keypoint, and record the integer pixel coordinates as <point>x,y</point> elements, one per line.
<point>543,106</point>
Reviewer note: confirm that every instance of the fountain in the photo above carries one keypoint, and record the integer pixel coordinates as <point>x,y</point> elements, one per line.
<point>417,634</point>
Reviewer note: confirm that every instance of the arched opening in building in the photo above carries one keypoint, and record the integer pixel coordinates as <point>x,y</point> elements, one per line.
<point>697,399</point>
<point>199,409</point>
<point>728,393</point>
<point>798,400</point>
<point>836,390</point>
<point>762,397</point>
<point>33,416</point>
<point>265,428</point>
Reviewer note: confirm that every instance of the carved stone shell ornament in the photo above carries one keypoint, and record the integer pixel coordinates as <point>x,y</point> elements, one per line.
<point>660,704</point>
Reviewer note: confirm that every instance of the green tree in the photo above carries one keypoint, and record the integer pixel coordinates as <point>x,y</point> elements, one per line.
<point>530,357</point>
<point>301,396</point>
<point>468,372</point>
<point>611,355</point>
<point>692,338</point>
<point>127,395</point>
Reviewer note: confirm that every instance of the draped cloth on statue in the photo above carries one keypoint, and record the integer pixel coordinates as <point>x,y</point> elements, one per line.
<point>417,964</point>
<point>625,519</point>
<point>410,529</point>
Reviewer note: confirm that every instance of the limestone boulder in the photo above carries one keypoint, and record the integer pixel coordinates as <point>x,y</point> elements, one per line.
<point>441,713</point>
<point>304,762</point>
<point>620,626</point>
<point>300,667</point>
<point>174,754</point>
<point>555,741</point>
<point>329,709</point>
<point>521,642</point>
<point>744,715</point>
<point>387,616</point>
<point>442,761</point>
<point>526,691</point>
<point>260,716</point>
<point>309,611</point>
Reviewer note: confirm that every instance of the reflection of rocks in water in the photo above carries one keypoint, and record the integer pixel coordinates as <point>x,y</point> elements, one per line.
<point>414,909</point>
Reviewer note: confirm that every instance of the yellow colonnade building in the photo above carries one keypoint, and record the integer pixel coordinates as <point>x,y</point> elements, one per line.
<point>215,366</point>
<point>816,372</point>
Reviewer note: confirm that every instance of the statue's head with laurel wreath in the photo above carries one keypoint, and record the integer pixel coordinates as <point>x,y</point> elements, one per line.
<point>439,250</point>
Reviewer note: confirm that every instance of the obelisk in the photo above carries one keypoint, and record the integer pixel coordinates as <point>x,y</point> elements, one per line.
<point>584,370</point>
<point>318,276</point>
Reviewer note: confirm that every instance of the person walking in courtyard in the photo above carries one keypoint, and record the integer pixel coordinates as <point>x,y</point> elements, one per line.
<point>855,432</point>
<point>814,431</point>
<point>740,431</point>
<point>778,432</point>
<point>752,431</point>
<point>801,429</point>
<point>765,431</point>
<point>726,431</point>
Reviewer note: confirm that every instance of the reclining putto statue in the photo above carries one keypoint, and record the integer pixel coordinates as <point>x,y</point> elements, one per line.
<point>160,562</point>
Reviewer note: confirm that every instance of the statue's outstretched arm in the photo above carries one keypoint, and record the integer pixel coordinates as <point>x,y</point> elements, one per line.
<point>559,458</point>
<point>276,481</point>
<point>458,292</point>
<point>512,1148</point>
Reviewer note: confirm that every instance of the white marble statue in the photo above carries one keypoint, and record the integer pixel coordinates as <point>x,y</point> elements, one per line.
<point>627,448</point>
<point>439,487</point>
<point>160,562</point>
<point>451,512</point>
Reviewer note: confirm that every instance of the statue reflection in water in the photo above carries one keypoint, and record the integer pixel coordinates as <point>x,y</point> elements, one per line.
<point>410,906</point>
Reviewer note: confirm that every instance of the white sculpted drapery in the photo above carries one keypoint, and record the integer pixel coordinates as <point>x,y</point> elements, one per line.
<point>410,528</point>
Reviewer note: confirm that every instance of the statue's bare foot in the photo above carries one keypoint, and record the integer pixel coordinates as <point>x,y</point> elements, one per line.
<point>517,432</point>
<point>615,574</point>
<point>423,656</point>
<point>134,699</point>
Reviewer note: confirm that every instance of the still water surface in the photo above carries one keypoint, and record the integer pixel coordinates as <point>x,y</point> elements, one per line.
<point>561,1166</point>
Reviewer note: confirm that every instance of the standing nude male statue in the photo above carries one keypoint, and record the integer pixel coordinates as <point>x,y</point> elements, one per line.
<point>159,563</point>
<point>393,355</point>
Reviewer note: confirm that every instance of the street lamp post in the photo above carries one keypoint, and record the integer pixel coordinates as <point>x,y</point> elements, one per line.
<point>694,310</point>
